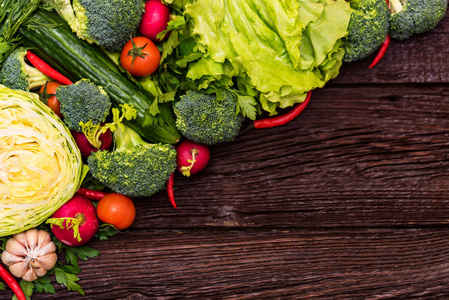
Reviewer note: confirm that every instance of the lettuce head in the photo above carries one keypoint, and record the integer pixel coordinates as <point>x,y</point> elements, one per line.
<point>40,165</point>
<point>276,50</point>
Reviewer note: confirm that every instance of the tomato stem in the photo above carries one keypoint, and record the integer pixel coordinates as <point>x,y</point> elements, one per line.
<point>136,52</point>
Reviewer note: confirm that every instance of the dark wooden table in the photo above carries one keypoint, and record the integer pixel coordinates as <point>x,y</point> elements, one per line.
<point>349,201</point>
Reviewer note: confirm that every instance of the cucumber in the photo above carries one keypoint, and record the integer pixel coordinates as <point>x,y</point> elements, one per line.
<point>54,42</point>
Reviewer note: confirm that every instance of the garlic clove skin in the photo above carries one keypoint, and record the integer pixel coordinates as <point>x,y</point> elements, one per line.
<point>48,248</point>
<point>32,238</point>
<point>38,269</point>
<point>15,247</point>
<point>43,239</point>
<point>9,259</point>
<point>21,238</point>
<point>48,261</point>
<point>30,254</point>
<point>30,275</point>
<point>19,269</point>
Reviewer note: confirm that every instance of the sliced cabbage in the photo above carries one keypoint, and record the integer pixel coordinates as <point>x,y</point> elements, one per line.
<point>40,165</point>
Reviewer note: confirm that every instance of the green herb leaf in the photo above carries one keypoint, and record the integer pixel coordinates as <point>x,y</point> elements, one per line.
<point>27,288</point>
<point>167,97</point>
<point>154,108</point>
<point>2,287</point>
<point>175,24</point>
<point>105,232</point>
<point>43,285</point>
<point>246,105</point>
<point>68,280</point>
<point>73,253</point>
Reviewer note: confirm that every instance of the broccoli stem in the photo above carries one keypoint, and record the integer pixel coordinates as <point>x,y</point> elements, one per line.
<point>63,8</point>
<point>396,6</point>
<point>126,138</point>
<point>35,77</point>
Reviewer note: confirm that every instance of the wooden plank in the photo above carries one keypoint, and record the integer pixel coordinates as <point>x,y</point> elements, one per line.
<point>419,59</point>
<point>373,156</point>
<point>340,264</point>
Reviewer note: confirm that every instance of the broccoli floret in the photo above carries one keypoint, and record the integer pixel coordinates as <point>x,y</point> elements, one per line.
<point>206,118</point>
<point>135,168</point>
<point>81,102</point>
<point>17,74</point>
<point>368,28</point>
<point>410,17</point>
<point>105,23</point>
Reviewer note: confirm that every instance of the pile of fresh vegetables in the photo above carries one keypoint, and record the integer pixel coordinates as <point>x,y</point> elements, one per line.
<point>101,102</point>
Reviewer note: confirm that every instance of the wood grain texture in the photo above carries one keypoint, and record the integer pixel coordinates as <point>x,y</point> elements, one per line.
<point>371,156</point>
<point>269,264</point>
<point>349,201</point>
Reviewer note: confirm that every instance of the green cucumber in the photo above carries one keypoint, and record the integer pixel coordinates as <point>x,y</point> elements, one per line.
<point>54,42</point>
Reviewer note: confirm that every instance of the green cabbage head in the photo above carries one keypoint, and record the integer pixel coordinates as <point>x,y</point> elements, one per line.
<point>40,165</point>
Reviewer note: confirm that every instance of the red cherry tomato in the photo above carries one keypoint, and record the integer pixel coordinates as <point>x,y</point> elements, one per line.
<point>140,57</point>
<point>47,93</point>
<point>116,209</point>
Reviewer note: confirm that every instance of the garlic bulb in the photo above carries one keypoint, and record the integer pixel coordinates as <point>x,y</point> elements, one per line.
<point>30,254</point>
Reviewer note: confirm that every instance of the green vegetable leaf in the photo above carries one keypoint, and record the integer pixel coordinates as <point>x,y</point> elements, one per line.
<point>73,253</point>
<point>70,223</point>
<point>105,232</point>
<point>68,280</point>
<point>27,288</point>
<point>2,287</point>
<point>43,285</point>
<point>169,45</point>
<point>167,97</point>
<point>154,108</point>
<point>175,24</point>
<point>246,105</point>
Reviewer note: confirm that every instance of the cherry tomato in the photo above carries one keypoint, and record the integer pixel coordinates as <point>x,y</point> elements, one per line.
<point>140,57</point>
<point>116,209</point>
<point>47,93</point>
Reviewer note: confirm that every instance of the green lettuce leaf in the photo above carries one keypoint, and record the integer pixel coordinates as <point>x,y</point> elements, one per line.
<point>282,48</point>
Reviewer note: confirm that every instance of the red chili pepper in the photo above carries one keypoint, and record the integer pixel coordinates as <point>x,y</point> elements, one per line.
<point>12,283</point>
<point>170,192</point>
<point>45,68</point>
<point>383,48</point>
<point>91,194</point>
<point>285,118</point>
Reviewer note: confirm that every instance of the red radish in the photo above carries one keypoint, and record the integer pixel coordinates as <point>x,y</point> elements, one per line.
<point>154,19</point>
<point>192,157</point>
<point>86,148</point>
<point>75,223</point>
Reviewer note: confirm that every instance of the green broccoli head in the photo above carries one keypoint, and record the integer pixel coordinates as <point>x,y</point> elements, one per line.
<point>368,28</point>
<point>410,17</point>
<point>17,74</point>
<point>206,119</point>
<point>135,168</point>
<point>105,23</point>
<point>81,102</point>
